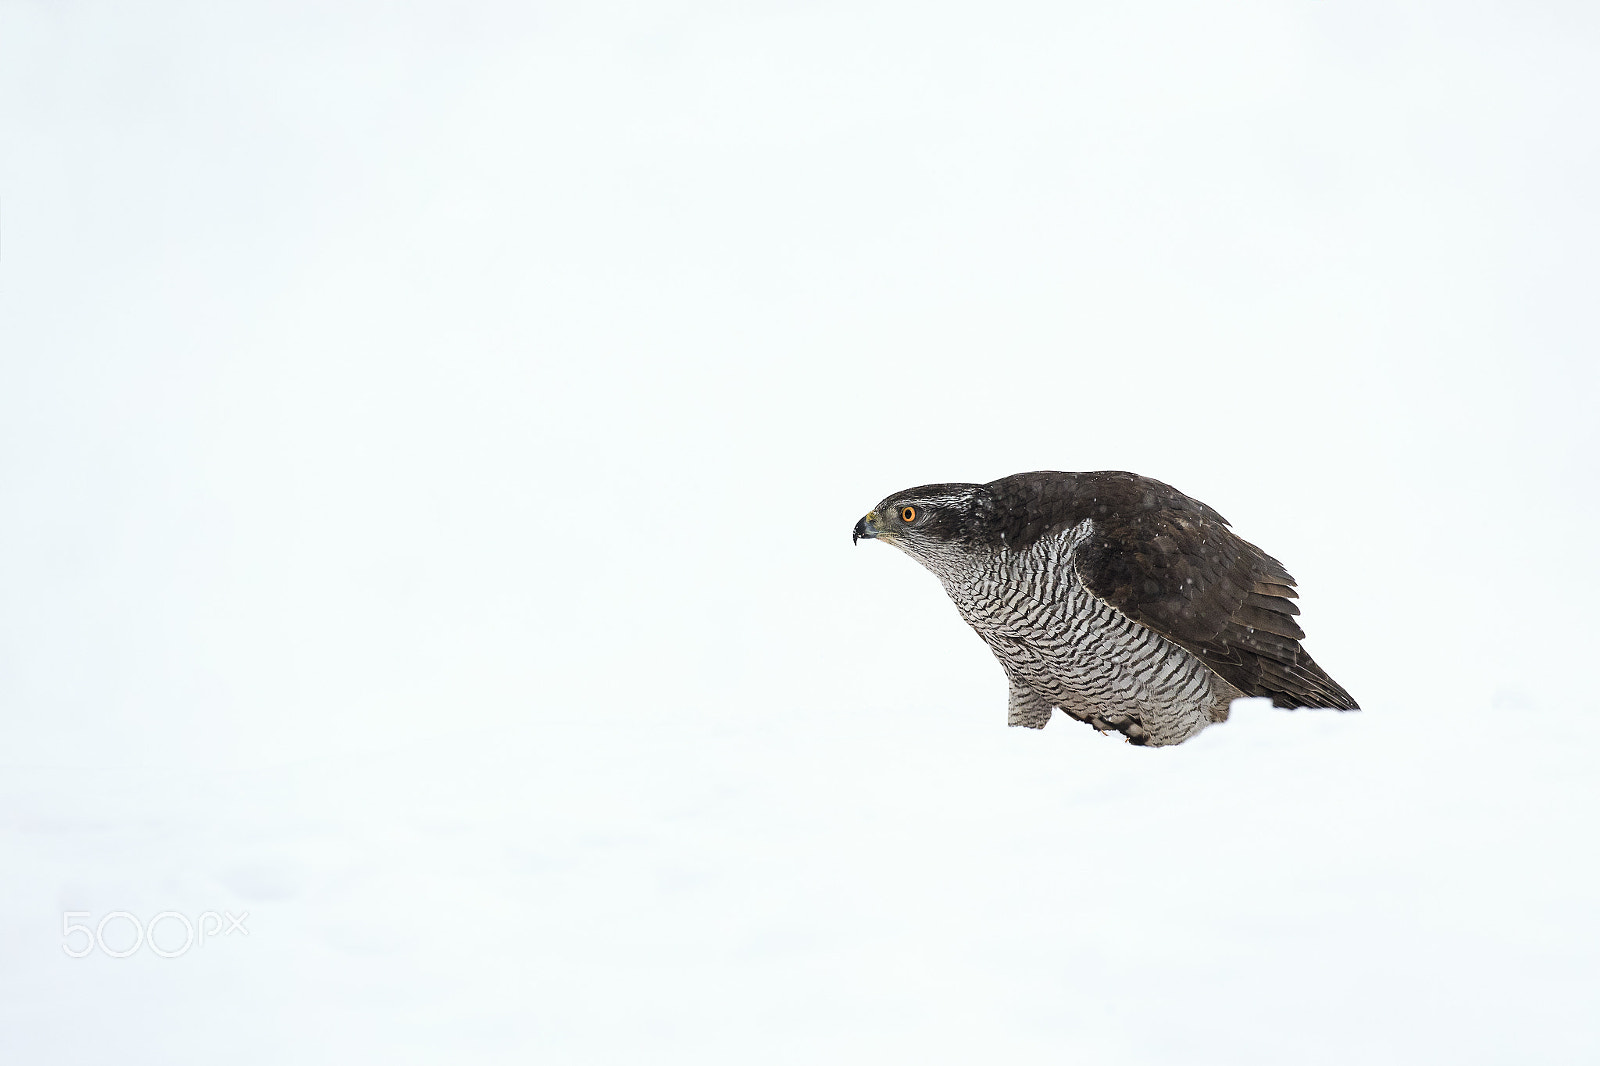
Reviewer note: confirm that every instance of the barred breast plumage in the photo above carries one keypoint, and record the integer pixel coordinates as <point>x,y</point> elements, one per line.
<point>1113,597</point>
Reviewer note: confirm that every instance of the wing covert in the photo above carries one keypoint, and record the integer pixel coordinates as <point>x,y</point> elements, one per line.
<point>1183,573</point>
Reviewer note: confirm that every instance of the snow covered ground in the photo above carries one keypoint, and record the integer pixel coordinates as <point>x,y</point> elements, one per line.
<point>428,447</point>
<point>832,887</point>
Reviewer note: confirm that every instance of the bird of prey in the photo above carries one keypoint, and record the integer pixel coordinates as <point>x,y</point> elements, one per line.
<point>1114,597</point>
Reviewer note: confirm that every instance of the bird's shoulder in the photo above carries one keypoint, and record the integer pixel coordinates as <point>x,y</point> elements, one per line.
<point>1161,557</point>
<point>1029,507</point>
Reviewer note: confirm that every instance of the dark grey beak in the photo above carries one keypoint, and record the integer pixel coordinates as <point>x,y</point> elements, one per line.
<point>865,530</point>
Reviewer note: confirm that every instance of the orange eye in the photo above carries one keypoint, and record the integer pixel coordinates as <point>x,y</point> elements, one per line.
<point>909,514</point>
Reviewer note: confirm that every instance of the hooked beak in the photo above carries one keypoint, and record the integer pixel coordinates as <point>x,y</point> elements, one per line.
<point>866,529</point>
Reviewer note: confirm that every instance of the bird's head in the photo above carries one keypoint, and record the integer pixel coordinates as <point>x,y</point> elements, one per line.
<point>928,520</point>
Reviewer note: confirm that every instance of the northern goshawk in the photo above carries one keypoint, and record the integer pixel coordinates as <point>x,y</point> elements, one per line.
<point>1114,597</point>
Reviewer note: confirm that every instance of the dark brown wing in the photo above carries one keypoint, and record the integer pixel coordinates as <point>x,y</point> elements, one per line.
<point>1178,569</point>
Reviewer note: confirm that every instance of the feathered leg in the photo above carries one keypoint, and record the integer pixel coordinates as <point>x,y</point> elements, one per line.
<point>1027,708</point>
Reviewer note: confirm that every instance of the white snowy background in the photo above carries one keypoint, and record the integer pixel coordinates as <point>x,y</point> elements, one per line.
<point>429,440</point>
